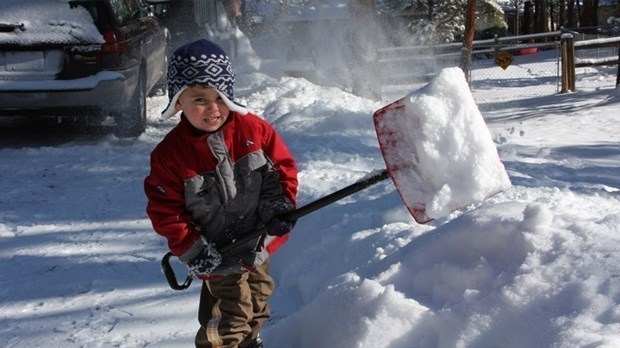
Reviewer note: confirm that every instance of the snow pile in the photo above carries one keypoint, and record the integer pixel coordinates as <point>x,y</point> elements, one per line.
<point>438,148</point>
<point>44,21</point>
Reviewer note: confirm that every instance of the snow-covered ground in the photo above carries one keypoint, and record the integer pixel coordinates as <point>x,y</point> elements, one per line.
<point>535,266</point>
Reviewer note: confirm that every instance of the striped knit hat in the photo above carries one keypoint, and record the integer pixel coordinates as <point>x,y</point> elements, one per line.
<point>204,63</point>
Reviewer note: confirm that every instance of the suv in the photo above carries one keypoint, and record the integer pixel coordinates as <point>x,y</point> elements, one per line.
<point>83,59</point>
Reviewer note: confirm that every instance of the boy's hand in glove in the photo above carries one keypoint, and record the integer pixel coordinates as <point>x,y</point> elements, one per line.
<point>205,262</point>
<point>277,227</point>
<point>273,208</point>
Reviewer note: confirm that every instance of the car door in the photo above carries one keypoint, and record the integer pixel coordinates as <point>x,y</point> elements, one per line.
<point>154,44</point>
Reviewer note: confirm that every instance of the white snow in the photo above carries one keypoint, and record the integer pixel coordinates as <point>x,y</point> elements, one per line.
<point>53,22</point>
<point>438,148</point>
<point>537,265</point>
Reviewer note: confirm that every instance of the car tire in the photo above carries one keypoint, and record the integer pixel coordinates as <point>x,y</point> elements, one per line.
<point>131,122</point>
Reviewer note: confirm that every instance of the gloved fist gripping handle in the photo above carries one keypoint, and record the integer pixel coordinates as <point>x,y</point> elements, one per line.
<point>205,262</point>
<point>278,226</point>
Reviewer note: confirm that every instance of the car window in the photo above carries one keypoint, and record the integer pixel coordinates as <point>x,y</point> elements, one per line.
<point>46,21</point>
<point>120,9</point>
<point>100,14</point>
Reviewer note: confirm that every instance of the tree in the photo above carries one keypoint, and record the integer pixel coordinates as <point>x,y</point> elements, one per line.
<point>441,21</point>
<point>517,5</point>
<point>572,19</point>
<point>589,16</point>
<point>528,14</point>
<point>562,13</point>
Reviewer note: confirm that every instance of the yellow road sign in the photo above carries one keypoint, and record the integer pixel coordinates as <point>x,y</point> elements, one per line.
<point>503,59</point>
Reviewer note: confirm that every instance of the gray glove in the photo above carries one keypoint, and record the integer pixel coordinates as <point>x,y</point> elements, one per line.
<point>205,262</point>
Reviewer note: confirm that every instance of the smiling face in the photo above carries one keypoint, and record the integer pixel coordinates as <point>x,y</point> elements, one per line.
<point>203,107</point>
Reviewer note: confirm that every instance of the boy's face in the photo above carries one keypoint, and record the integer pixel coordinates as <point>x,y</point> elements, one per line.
<point>203,107</point>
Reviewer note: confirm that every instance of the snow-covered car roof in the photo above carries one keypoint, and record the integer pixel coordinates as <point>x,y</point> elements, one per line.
<point>28,22</point>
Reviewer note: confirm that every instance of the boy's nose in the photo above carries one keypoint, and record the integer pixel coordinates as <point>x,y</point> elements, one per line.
<point>211,106</point>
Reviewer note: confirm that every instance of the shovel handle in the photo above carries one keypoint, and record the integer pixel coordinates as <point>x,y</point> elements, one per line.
<point>171,277</point>
<point>310,207</point>
<point>290,216</point>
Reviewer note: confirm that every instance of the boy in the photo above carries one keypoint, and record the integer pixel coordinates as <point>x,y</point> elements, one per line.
<point>219,173</point>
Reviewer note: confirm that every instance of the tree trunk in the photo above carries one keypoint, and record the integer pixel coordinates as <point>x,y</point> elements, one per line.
<point>541,17</point>
<point>562,13</point>
<point>430,9</point>
<point>538,6</point>
<point>516,4</point>
<point>545,15</point>
<point>594,14</point>
<point>552,21</point>
<point>586,13</point>
<point>572,19</point>
<point>468,40</point>
<point>527,17</point>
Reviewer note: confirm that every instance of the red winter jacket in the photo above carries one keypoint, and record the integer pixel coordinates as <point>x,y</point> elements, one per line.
<point>216,185</point>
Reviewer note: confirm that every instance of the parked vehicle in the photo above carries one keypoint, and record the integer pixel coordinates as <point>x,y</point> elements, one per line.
<point>95,60</point>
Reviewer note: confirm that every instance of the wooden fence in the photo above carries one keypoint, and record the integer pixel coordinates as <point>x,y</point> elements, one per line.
<point>428,60</point>
<point>570,62</point>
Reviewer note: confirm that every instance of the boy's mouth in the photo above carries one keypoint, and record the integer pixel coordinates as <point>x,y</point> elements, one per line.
<point>212,119</point>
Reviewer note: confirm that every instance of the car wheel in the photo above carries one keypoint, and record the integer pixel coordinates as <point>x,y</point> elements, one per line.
<point>131,122</point>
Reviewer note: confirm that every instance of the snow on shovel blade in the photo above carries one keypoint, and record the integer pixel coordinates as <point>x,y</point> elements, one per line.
<point>438,149</point>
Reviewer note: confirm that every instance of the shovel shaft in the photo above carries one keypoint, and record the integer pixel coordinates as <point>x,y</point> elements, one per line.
<point>336,196</point>
<point>290,216</point>
<point>310,207</point>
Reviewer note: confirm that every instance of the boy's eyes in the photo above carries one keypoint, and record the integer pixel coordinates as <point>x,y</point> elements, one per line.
<point>202,100</point>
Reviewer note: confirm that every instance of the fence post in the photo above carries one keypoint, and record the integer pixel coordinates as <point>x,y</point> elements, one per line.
<point>567,42</point>
<point>571,63</point>
<point>618,70</point>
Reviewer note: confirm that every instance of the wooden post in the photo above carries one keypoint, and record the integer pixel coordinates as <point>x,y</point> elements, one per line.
<point>567,42</point>
<point>618,70</point>
<point>571,62</point>
<point>563,58</point>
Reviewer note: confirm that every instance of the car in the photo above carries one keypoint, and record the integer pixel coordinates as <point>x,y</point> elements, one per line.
<point>92,60</point>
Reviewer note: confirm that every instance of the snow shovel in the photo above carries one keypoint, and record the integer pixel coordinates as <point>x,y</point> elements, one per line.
<point>438,152</point>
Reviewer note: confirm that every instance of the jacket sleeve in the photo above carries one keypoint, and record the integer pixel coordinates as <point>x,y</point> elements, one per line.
<point>166,207</point>
<point>283,162</point>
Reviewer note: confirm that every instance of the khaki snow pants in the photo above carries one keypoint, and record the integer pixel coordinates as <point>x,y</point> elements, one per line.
<point>233,308</point>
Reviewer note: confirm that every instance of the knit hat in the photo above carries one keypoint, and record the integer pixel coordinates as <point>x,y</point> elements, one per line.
<point>205,63</point>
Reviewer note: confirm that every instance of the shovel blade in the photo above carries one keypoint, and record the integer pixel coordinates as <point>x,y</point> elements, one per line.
<point>438,150</point>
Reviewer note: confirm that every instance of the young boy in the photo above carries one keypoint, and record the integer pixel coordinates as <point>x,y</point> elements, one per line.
<point>218,174</point>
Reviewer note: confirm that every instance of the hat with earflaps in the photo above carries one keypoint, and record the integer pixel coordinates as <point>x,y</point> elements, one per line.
<point>204,63</point>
